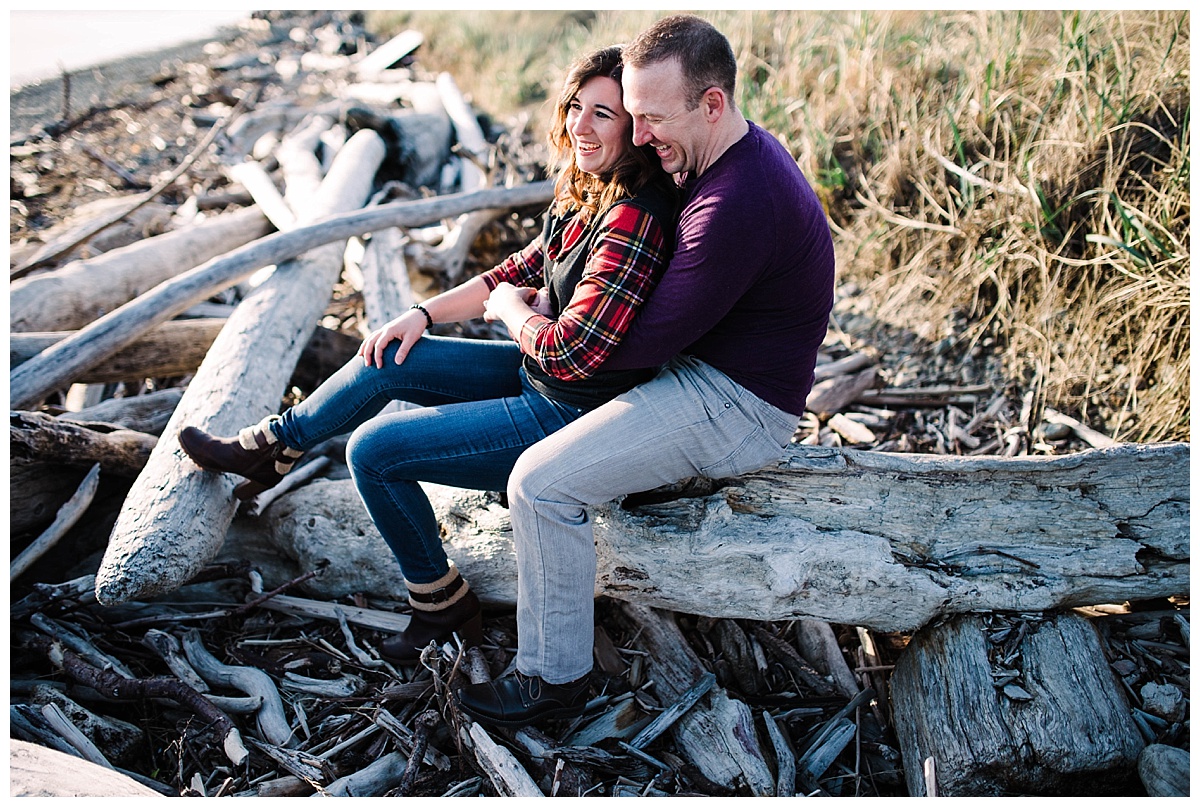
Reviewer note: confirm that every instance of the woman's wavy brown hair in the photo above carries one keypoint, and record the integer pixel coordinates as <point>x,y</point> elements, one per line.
<point>578,189</point>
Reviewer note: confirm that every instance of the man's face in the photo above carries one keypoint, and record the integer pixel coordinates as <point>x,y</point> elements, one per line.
<point>655,97</point>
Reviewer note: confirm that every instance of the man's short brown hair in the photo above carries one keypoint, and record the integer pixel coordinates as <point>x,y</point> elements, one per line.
<point>704,54</point>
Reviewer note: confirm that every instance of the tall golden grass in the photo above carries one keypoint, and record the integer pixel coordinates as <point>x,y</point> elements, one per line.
<point>1011,180</point>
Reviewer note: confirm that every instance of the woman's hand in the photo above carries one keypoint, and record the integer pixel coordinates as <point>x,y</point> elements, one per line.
<point>508,303</point>
<point>407,328</point>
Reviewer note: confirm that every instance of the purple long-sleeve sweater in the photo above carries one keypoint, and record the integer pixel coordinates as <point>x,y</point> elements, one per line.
<point>750,285</point>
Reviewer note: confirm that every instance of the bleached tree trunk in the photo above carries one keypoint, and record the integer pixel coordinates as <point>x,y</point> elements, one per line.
<point>891,541</point>
<point>56,367</point>
<point>884,541</point>
<point>172,349</point>
<point>176,515</point>
<point>387,291</point>
<point>82,291</point>
<point>452,253</point>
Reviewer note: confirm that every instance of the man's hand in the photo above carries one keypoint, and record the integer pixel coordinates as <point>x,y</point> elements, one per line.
<point>541,303</point>
<point>407,328</point>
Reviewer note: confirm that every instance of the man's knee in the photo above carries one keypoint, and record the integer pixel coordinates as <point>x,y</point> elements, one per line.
<point>525,482</point>
<point>537,484</point>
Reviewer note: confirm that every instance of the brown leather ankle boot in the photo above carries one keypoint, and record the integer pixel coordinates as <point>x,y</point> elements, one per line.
<point>440,609</point>
<point>255,453</point>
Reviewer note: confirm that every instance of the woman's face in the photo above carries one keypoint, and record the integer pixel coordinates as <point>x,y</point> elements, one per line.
<point>598,125</point>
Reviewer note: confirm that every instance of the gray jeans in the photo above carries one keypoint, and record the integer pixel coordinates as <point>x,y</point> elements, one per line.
<point>690,420</point>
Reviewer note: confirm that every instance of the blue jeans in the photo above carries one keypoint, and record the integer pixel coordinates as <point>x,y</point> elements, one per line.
<point>477,414</point>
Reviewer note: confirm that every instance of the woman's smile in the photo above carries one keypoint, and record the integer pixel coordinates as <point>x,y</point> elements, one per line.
<point>599,126</point>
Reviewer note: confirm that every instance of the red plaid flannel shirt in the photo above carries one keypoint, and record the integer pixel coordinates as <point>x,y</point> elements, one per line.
<point>619,274</point>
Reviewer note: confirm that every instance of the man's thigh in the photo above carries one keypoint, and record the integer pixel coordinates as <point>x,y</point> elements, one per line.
<point>688,421</point>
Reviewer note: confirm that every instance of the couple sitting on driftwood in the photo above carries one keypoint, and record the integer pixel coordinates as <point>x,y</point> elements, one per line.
<point>665,325</point>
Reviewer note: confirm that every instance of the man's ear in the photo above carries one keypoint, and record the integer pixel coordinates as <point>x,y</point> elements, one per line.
<point>714,104</point>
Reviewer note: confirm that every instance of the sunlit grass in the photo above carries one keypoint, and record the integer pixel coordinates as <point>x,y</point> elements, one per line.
<point>1022,176</point>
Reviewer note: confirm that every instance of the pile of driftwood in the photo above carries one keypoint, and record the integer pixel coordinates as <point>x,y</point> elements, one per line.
<point>919,598</point>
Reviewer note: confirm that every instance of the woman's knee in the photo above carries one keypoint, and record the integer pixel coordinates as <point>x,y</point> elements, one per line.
<point>367,449</point>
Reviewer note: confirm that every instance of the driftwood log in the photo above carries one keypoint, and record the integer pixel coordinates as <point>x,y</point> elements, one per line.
<point>885,541</point>
<point>42,488</point>
<point>1027,709</point>
<point>1165,770</point>
<point>890,541</point>
<point>451,255</point>
<point>387,290</point>
<point>717,734</point>
<point>177,348</point>
<point>38,771</point>
<point>170,350</point>
<point>176,515</point>
<point>147,413</point>
<point>59,365</point>
<point>82,291</point>
<point>36,435</point>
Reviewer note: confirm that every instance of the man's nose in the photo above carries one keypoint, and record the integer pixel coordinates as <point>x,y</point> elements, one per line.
<point>641,133</point>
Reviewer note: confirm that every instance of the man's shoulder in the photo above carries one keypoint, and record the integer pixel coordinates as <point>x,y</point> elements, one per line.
<point>756,173</point>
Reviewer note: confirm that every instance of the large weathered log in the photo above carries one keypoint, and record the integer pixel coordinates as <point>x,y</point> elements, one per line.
<point>175,516</point>
<point>35,435</point>
<point>326,520</point>
<point>889,541</point>
<point>1068,732</point>
<point>81,292</point>
<point>886,541</point>
<point>172,349</point>
<point>452,253</point>
<point>177,348</point>
<point>56,367</point>
<point>38,771</point>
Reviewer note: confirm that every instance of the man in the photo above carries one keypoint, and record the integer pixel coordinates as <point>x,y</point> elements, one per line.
<point>737,317</point>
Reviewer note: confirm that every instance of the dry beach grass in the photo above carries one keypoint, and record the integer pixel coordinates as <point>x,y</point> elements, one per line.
<point>1014,184</point>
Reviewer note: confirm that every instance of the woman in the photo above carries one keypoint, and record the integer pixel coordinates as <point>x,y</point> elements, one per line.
<point>604,244</point>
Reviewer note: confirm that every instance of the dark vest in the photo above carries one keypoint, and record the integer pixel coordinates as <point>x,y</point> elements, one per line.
<point>563,275</point>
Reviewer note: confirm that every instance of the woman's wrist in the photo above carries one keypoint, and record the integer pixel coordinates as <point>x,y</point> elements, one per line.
<point>425,311</point>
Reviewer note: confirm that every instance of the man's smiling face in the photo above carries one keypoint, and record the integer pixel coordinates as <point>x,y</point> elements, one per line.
<point>656,97</point>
